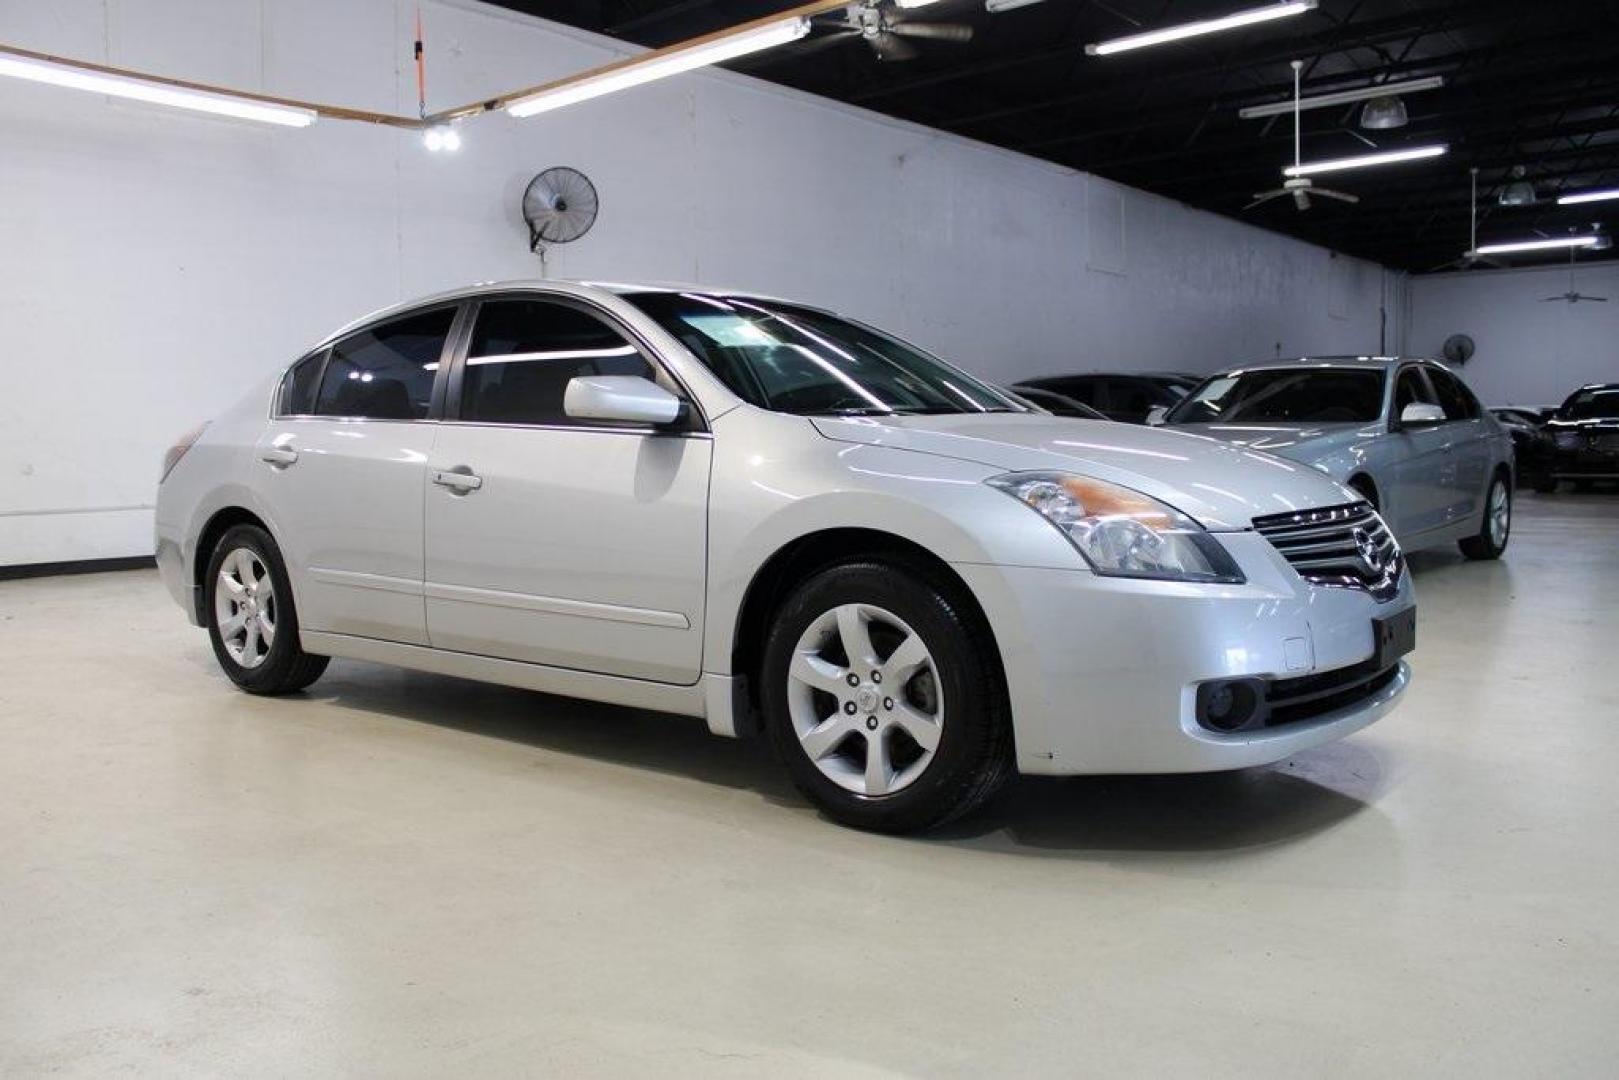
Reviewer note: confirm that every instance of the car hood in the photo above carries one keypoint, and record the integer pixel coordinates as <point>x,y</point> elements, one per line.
<point>1301,442</point>
<point>1220,485</point>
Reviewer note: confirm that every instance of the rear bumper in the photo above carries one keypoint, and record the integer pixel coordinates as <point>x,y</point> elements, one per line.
<point>173,568</point>
<point>1104,672</point>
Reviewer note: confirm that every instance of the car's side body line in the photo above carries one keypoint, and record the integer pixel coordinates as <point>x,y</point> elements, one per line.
<point>589,685</point>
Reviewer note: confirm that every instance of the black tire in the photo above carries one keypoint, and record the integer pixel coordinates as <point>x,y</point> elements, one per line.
<point>284,667</point>
<point>1545,485</point>
<point>1488,543</point>
<point>973,756</point>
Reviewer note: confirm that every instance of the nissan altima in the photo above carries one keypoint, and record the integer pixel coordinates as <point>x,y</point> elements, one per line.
<point>1407,435</point>
<point>776,518</point>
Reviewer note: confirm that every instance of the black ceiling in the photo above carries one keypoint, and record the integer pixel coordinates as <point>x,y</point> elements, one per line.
<point>1530,83</point>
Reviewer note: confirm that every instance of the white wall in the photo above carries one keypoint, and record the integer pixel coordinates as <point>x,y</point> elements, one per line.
<point>152,263</point>
<point>1529,352</point>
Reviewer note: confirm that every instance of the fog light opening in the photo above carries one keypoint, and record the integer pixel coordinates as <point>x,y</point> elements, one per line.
<point>1227,705</point>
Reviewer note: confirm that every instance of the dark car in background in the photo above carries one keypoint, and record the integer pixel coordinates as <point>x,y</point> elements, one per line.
<point>1056,404</point>
<point>1585,437</point>
<point>1531,444</point>
<point>1127,397</point>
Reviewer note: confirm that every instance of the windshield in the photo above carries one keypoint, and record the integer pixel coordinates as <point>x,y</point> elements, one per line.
<point>798,360</point>
<point>1286,396</point>
<point>1598,404</point>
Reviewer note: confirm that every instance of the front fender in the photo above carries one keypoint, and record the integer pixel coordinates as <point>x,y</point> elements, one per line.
<point>763,501</point>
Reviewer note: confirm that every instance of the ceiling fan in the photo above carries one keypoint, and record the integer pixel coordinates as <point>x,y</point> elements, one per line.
<point>1471,258</point>
<point>1299,187</point>
<point>886,31</point>
<point>1573,296</point>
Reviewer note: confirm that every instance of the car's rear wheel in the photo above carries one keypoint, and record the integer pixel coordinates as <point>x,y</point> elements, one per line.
<point>1496,528</point>
<point>883,694</point>
<point>1545,484</point>
<point>251,618</point>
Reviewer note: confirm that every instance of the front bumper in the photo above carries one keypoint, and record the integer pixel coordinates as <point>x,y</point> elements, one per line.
<point>1103,672</point>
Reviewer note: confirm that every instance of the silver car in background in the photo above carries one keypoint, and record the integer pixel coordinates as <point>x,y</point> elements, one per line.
<point>1406,434</point>
<point>761,513</point>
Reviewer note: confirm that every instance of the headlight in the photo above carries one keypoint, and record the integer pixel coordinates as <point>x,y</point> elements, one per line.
<point>1120,532</point>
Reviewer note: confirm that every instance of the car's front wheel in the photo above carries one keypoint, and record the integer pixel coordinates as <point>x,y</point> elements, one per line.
<point>1496,528</point>
<point>251,618</point>
<point>883,693</point>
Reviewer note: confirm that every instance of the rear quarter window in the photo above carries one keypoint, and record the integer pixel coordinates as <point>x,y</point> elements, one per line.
<point>299,385</point>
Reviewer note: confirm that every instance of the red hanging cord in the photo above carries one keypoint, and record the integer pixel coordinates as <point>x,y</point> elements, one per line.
<point>421,68</point>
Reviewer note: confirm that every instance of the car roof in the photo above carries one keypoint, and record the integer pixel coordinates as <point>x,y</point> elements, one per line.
<point>562,286</point>
<point>1377,363</point>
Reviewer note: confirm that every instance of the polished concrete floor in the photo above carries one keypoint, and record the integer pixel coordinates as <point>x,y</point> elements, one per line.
<point>401,875</point>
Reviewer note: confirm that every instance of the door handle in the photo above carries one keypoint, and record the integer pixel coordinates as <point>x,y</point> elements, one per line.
<point>279,456</point>
<point>459,480</point>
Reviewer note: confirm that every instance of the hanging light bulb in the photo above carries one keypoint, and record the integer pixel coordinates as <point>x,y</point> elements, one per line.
<point>1384,113</point>
<point>1519,192</point>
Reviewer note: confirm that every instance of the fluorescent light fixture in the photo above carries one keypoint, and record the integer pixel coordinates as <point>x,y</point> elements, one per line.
<point>1588,196</point>
<point>659,65</point>
<point>914,3</point>
<point>1362,161</point>
<point>1538,245</point>
<point>154,92</point>
<point>1343,97</point>
<point>1201,27</point>
<point>998,6</point>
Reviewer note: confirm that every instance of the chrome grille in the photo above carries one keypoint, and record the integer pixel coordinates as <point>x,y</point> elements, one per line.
<point>1338,546</point>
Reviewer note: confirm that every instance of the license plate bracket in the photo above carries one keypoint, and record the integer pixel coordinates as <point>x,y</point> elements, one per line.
<point>1393,637</point>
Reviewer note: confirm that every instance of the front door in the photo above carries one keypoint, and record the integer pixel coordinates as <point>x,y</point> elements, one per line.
<point>1418,501</point>
<point>548,540</point>
<point>343,473</point>
<point>1467,448</point>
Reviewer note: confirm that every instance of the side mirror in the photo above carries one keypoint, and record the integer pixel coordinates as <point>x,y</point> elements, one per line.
<point>1156,414</point>
<point>625,399</point>
<point>1421,414</point>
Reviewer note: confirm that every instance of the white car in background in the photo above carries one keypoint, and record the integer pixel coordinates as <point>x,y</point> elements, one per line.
<point>1407,435</point>
<point>758,512</point>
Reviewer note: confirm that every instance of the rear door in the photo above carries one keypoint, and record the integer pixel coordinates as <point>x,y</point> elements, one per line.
<point>555,541</point>
<point>1467,447</point>
<point>343,470</point>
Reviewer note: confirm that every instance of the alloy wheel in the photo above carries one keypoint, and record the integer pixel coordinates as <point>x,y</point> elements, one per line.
<point>865,699</point>
<point>244,607</point>
<point>1500,513</point>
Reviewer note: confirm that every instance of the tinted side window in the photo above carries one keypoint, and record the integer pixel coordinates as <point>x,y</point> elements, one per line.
<point>523,354</point>
<point>1135,397</point>
<point>1411,389</point>
<point>298,386</point>
<point>386,372</point>
<point>1454,398</point>
<point>1082,388</point>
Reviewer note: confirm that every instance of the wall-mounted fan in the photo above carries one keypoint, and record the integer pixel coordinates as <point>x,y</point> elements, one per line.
<point>1299,187</point>
<point>886,31</point>
<point>559,205</point>
<point>1458,348</point>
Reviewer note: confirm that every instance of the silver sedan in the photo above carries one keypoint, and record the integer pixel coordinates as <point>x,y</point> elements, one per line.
<point>1408,435</point>
<point>775,518</point>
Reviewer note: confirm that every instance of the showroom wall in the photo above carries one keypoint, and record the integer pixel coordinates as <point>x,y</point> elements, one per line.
<point>156,262</point>
<point>1530,351</point>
